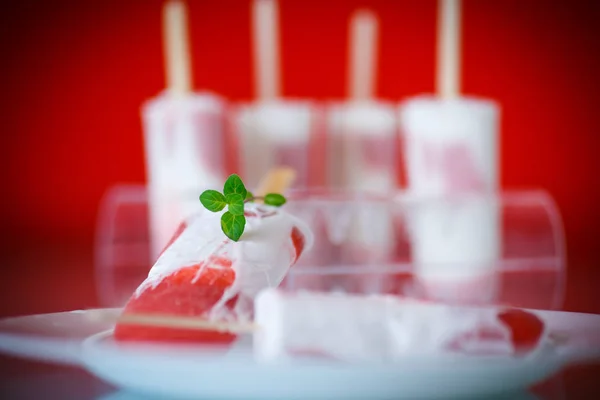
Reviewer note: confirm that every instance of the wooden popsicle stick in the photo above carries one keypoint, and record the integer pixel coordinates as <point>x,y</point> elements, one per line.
<point>448,48</point>
<point>265,35</point>
<point>277,180</point>
<point>194,323</point>
<point>362,63</point>
<point>176,48</point>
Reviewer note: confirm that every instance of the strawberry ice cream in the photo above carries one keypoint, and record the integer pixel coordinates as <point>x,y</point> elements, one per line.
<point>204,274</point>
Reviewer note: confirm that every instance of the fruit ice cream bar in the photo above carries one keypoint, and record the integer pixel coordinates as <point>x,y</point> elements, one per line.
<point>383,328</point>
<point>202,273</point>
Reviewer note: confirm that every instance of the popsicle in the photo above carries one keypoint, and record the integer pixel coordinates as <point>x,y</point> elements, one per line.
<point>183,136</point>
<point>272,130</point>
<point>452,170</point>
<point>207,272</point>
<point>364,129</point>
<point>354,328</point>
<point>363,144</point>
<point>363,157</point>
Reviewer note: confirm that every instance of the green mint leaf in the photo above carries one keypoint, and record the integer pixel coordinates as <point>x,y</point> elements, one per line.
<point>234,185</point>
<point>236,203</point>
<point>274,199</point>
<point>249,196</point>
<point>233,198</point>
<point>233,225</point>
<point>212,200</point>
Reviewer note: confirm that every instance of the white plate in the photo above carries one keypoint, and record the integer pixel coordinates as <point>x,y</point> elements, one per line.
<point>196,372</point>
<point>54,337</point>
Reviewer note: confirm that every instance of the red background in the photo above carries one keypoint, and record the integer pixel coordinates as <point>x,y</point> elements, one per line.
<point>74,74</point>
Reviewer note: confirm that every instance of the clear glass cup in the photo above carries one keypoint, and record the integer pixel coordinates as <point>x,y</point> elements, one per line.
<point>122,244</point>
<point>524,266</point>
<point>527,269</point>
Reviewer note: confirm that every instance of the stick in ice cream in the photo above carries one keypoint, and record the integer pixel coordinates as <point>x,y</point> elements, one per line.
<point>214,266</point>
<point>276,179</point>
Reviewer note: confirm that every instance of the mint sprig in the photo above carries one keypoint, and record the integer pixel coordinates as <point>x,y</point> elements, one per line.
<point>235,196</point>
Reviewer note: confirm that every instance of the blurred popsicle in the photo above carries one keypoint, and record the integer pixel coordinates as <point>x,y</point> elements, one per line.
<point>276,133</point>
<point>272,131</point>
<point>452,151</point>
<point>368,127</point>
<point>363,328</point>
<point>183,134</point>
<point>363,142</point>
